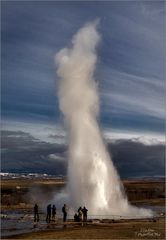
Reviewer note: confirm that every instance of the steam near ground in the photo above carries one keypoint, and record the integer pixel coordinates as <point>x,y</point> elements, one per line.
<point>92,178</point>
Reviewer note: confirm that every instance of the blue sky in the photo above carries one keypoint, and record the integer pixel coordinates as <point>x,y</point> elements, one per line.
<point>130,68</point>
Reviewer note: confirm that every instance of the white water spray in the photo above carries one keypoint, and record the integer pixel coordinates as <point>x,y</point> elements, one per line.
<point>92,178</point>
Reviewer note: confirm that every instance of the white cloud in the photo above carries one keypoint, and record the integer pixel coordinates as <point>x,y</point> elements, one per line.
<point>56,158</point>
<point>53,133</point>
<point>147,138</point>
<point>41,131</point>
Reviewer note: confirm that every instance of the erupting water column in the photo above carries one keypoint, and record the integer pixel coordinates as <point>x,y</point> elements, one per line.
<point>92,177</point>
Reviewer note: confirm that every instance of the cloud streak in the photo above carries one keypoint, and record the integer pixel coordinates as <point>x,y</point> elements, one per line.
<point>133,93</point>
<point>130,67</point>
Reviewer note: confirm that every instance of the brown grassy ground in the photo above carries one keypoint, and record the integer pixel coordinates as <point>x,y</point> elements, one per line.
<point>18,193</point>
<point>12,183</point>
<point>126,230</point>
<point>139,192</point>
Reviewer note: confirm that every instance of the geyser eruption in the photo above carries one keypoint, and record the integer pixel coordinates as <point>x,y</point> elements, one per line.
<point>92,178</point>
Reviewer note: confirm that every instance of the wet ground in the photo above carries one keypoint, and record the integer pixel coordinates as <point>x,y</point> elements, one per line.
<point>21,221</point>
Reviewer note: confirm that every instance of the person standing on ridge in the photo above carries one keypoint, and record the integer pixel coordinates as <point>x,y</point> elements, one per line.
<point>64,210</point>
<point>85,211</point>
<point>48,218</point>
<point>36,213</point>
<point>79,209</point>
<point>53,212</point>
<point>80,214</point>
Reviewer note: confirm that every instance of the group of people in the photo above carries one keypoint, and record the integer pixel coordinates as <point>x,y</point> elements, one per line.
<point>51,212</point>
<point>81,216</point>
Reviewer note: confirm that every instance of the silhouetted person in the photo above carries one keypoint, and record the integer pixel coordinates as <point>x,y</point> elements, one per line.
<point>80,214</point>
<point>36,213</point>
<point>85,213</point>
<point>79,209</point>
<point>76,218</point>
<point>48,218</point>
<point>53,212</point>
<point>64,210</point>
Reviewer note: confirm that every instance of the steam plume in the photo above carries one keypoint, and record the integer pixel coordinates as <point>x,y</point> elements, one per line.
<point>92,178</point>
